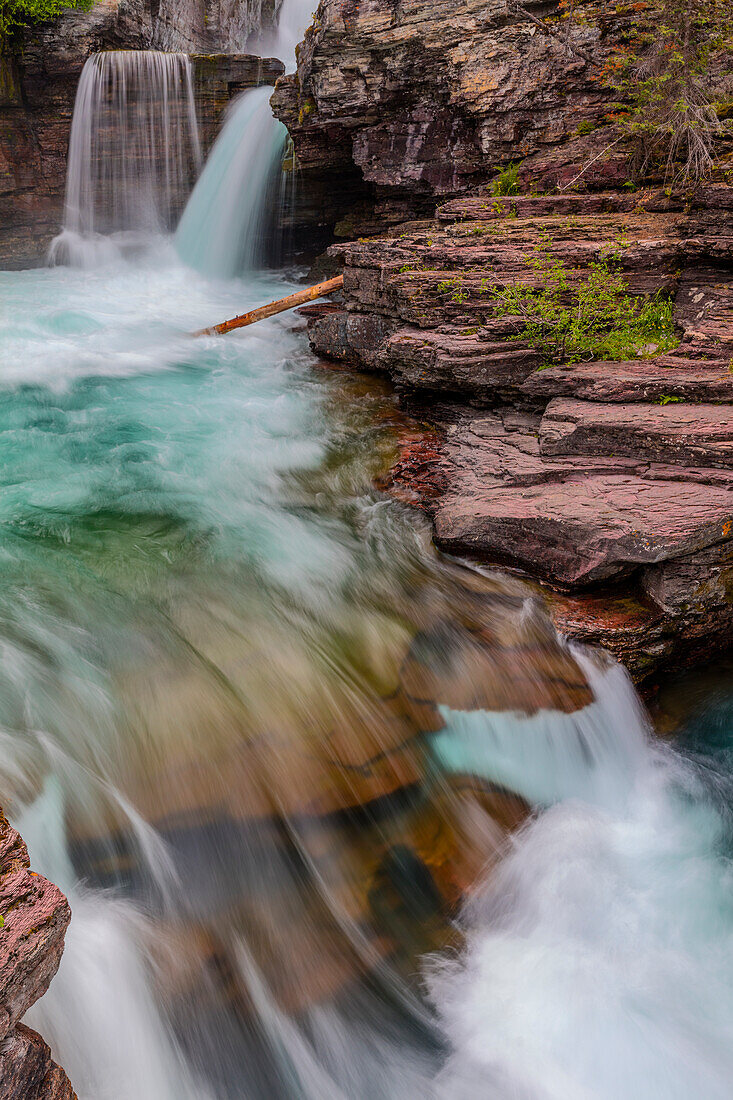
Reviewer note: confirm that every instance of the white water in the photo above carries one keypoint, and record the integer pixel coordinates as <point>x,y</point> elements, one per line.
<point>101,1011</point>
<point>134,150</point>
<point>240,198</point>
<point>293,19</point>
<point>229,219</point>
<point>599,959</point>
<point>599,956</point>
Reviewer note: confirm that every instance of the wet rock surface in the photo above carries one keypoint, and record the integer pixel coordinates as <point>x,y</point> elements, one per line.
<point>36,915</point>
<point>580,475</point>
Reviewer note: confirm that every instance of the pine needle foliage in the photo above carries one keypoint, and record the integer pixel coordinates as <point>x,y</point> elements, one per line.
<point>663,74</point>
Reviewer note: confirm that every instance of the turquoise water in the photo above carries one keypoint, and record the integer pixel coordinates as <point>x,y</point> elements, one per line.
<point>208,615</point>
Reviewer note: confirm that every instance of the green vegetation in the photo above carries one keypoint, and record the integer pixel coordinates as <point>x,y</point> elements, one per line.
<point>19,13</point>
<point>585,127</point>
<point>663,72</point>
<point>594,317</point>
<point>507,182</point>
<point>454,289</point>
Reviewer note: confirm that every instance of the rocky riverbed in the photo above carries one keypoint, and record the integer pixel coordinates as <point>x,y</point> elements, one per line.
<point>607,482</point>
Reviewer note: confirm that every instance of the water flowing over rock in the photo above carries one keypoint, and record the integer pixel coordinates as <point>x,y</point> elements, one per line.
<point>134,150</point>
<point>230,221</point>
<point>39,89</point>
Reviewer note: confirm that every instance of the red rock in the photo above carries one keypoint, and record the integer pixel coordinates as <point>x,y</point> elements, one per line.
<point>36,916</point>
<point>585,528</point>
<point>640,380</point>
<point>27,1070</point>
<point>32,939</point>
<point>700,435</point>
<point>462,363</point>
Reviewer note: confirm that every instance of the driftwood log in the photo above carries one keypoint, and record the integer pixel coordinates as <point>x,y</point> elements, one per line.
<point>259,314</point>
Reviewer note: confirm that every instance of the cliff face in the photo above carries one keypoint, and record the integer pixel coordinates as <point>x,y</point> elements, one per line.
<point>426,97</point>
<point>38,87</point>
<point>36,915</point>
<point>609,483</point>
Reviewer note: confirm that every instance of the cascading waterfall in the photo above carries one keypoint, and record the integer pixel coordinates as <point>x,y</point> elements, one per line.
<point>108,946</point>
<point>244,197</point>
<point>206,614</point>
<point>228,223</point>
<point>134,151</point>
<point>293,18</point>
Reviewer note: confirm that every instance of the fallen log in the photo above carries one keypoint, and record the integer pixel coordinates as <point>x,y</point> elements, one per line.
<point>259,314</point>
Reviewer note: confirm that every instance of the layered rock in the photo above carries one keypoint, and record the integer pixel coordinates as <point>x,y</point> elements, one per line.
<point>425,99</point>
<point>583,475</point>
<point>36,915</point>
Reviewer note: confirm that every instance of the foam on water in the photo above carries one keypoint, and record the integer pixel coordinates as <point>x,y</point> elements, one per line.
<point>599,957</point>
<point>153,523</point>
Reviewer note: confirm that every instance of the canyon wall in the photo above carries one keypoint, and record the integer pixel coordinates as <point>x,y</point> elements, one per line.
<point>426,98</point>
<point>608,485</point>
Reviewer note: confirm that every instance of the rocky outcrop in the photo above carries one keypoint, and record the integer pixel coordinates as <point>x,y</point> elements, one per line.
<point>35,915</point>
<point>27,1070</point>
<point>38,88</point>
<point>593,478</point>
<point>426,98</point>
<point>607,482</point>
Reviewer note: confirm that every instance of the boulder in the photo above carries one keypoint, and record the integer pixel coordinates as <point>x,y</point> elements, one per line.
<point>36,915</point>
<point>27,1070</point>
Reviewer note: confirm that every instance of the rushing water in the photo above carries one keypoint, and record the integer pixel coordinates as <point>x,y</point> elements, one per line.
<point>229,222</point>
<point>134,150</point>
<point>338,820</point>
<point>211,624</point>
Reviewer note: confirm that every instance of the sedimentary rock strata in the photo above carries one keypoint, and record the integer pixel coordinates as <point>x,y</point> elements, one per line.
<point>579,474</point>
<point>36,915</point>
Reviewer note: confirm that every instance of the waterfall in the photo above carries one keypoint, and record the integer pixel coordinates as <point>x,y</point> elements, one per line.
<point>107,948</point>
<point>229,217</point>
<point>293,18</point>
<point>134,151</point>
<point>243,199</point>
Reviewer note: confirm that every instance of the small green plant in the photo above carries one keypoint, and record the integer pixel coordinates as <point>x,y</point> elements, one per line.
<point>585,127</point>
<point>454,289</point>
<point>667,399</point>
<point>19,13</point>
<point>507,181</point>
<point>594,317</point>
